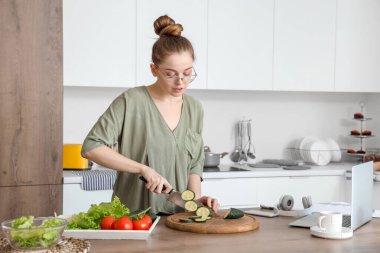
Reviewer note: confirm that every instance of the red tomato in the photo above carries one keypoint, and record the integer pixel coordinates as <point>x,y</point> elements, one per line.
<point>106,222</point>
<point>143,224</point>
<point>124,223</point>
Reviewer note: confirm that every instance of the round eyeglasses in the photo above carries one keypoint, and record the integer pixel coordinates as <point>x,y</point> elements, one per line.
<point>186,77</point>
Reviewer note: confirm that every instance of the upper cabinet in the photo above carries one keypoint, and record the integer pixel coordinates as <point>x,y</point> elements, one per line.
<point>191,14</point>
<point>99,43</point>
<point>282,45</point>
<point>304,45</point>
<point>358,46</point>
<point>240,44</point>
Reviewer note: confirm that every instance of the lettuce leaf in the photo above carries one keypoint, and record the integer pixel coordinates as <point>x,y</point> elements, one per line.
<point>43,236</point>
<point>91,219</point>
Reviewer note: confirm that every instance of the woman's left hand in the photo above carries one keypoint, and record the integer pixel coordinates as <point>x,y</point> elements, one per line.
<point>210,202</point>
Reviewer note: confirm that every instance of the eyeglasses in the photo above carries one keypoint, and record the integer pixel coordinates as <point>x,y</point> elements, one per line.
<point>187,77</point>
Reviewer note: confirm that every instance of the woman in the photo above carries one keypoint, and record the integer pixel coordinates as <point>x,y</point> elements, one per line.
<point>157,130</point>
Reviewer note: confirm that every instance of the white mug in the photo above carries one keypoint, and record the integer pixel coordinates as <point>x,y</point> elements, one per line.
<point>330,222</point>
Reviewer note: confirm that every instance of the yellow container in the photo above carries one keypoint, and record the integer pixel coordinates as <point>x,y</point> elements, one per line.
<point>72,159</point>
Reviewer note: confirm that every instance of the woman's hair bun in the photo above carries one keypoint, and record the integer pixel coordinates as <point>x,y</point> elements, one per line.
<point>166,26</point>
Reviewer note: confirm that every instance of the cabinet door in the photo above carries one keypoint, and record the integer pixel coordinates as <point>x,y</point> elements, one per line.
<point>191,14</point>
<point>240,46</point>
<point>231,192</point>
<point>320,188</point>
<point>304,45</point>
<point>99,42</point>
<point>357,46</point>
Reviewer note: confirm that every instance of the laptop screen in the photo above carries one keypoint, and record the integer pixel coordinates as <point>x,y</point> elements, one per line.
<point>361,194</point>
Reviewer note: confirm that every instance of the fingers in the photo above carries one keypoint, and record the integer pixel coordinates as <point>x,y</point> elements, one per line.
<point>155,182</point>
<point>210,202</point>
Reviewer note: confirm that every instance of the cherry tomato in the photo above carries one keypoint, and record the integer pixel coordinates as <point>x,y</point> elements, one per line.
<point>143,224</point>
<point>124,223</point>
<point>106,222</point>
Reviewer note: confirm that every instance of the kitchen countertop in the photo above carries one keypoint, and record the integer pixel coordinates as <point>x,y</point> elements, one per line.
<point>332,169</point>
<point>274,235</point>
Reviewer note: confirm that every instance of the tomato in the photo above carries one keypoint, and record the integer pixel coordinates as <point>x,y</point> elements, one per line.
<point>124,223</point>
<point>143,224</point>
<point>106,222</point>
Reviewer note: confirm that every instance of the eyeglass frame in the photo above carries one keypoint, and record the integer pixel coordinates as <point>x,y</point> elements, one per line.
<point>192,76</point>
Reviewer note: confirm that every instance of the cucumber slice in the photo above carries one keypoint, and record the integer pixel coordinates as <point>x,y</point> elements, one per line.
<point>191,206</point>
<point>187,195</point>
<point>203,211</point>
<point>186,220</point>
<point>234,213</point>
<point>201,220</point>
<point>194,217</point>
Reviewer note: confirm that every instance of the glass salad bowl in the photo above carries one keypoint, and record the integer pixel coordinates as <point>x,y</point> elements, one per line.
<point>29,233</point>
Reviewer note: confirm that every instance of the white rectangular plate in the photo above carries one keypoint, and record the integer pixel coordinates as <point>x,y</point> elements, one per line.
<point>111,234</point>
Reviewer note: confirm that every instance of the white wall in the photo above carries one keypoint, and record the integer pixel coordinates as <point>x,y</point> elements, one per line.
<point>278,118</point>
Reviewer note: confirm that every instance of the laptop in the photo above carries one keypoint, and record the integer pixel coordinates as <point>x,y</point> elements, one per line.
<point>361,200</point>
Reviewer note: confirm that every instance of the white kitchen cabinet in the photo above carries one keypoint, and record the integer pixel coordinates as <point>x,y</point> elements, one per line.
<point>357,46</point>
<point>99,43</point>
<point>231,192</point>
<point>320,188</point>
<point>240,44</point>
<point>76,200</point>
<point>191,14</point>
<point>304,45</point>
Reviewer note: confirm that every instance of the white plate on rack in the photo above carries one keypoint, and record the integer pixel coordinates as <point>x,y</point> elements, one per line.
<point>319,153</point>
<point>303,147</point>
<point>336,155</point>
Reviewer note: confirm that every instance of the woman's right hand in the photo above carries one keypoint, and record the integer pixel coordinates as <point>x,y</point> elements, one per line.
<point>155,182</point>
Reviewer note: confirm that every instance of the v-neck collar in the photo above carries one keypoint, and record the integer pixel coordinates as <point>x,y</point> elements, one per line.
<point>162,117</point>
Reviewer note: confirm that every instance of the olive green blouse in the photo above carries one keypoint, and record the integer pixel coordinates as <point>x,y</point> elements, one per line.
<point>135,125</point>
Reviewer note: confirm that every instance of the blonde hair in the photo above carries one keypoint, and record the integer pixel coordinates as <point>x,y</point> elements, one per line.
<point>170,40</point>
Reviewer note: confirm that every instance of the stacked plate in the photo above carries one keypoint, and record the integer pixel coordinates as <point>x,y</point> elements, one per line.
<point>318,151</point>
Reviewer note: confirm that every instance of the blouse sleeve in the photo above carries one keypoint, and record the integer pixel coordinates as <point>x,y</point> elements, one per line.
<point>107,129</point>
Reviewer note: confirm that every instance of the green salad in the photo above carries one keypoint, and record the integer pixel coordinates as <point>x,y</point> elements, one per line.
<point>29,236</point>
<point>91,219</point>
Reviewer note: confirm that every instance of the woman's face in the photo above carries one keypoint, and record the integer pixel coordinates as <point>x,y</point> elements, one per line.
<point>175,73</point>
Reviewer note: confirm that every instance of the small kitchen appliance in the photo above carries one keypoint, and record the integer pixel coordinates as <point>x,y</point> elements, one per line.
<point>72,158</point>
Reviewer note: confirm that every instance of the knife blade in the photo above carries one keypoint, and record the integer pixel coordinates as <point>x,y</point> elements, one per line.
<point>173,196</point>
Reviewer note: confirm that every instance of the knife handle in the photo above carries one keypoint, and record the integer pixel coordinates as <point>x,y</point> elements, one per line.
<point>144,180</point>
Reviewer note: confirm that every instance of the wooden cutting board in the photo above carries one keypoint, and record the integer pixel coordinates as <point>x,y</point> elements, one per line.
<point>216,225</point>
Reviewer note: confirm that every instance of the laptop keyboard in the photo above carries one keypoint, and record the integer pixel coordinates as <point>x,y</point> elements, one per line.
<point>312,220</point>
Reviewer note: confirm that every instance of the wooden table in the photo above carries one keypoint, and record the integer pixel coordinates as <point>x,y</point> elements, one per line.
<point>274,235</point>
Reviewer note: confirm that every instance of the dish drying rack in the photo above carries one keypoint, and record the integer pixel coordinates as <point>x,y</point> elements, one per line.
<point>316,157</point>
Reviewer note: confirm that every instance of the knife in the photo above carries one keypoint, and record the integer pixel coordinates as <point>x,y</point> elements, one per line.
<point>174,196</point>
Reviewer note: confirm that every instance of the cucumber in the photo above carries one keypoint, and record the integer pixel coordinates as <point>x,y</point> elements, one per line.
<point>191,206</point>
<point>234,213</point>
<point>187,195</point>
<point>186,220</point>
<point>203,211</point>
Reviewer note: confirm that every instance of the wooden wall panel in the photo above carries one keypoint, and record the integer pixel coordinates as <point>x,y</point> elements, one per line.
<point>30,92</point>
<point>38,200</point>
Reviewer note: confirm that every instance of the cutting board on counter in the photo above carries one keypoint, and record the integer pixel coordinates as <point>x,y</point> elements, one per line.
<point>216,225</point>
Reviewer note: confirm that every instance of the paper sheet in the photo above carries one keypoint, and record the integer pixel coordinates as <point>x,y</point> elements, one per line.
<point>343,207</point>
